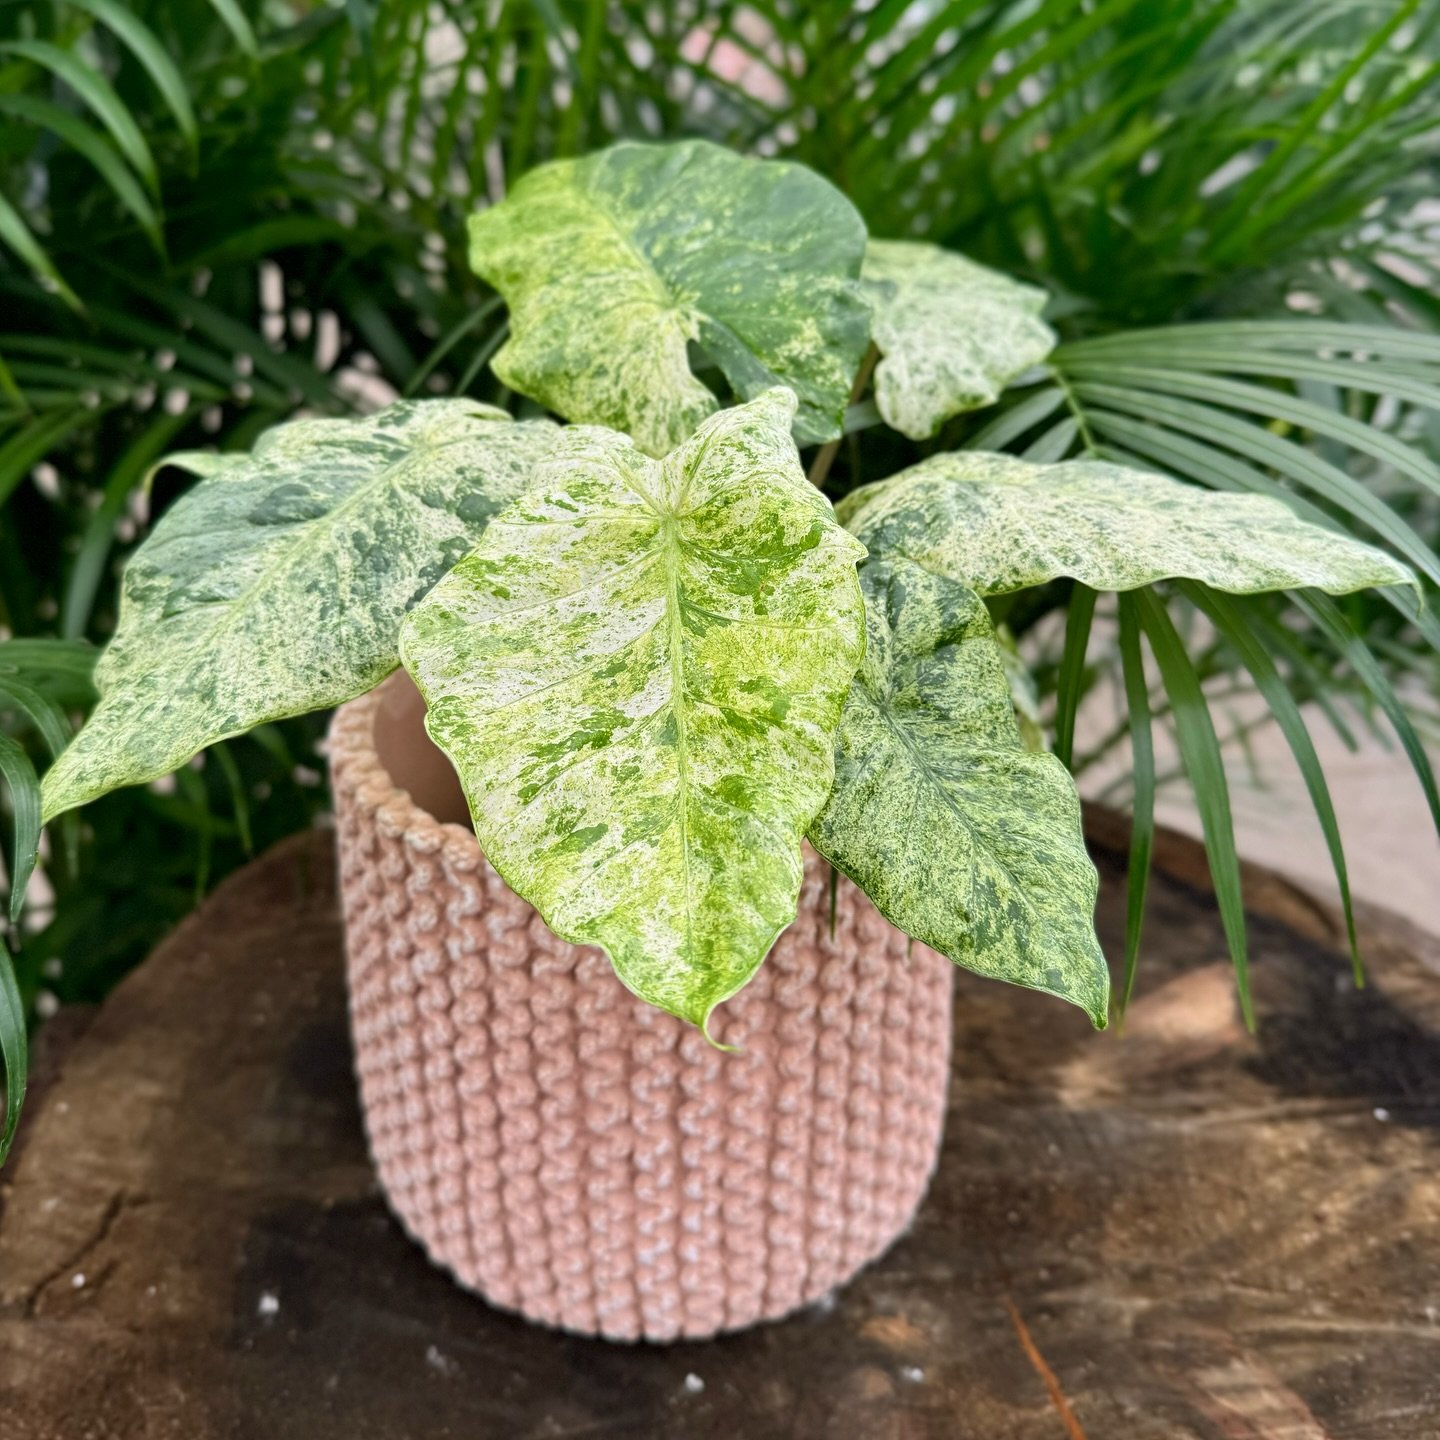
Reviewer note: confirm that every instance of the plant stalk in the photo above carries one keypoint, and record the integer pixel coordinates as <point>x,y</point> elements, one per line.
<point>825,456</point>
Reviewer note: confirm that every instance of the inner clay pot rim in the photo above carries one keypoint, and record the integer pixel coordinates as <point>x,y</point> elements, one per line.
<point>353,750</point>
<point>353,747</point>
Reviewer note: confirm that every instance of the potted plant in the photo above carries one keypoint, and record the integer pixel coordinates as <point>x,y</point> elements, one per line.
<point>700,717</point>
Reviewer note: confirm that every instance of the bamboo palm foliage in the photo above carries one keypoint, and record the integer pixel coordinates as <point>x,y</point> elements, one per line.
<point>214,213</point>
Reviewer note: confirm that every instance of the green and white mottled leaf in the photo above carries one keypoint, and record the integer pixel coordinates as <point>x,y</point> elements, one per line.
<point>638,674</point>
<point>953,334</point>
<point>997,523</point>
<point>612,264</point>
<point>960,835</point>
<point>277,584</point>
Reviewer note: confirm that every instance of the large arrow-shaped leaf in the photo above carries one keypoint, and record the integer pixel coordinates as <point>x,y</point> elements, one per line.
<point>612,264</point>
<point>277,584</point>
<point>638,674</point>
<point>997,523</point>
<point>953,333</point>
<point>961,836</point>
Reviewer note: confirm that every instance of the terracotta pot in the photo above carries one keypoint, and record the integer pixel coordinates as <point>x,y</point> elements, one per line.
<point>571,1153</point>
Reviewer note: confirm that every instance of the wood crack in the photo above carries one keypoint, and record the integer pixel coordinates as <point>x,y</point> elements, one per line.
<point>100,1232</point>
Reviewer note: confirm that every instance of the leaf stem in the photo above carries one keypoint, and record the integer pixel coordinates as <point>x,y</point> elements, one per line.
<point>825,457</point>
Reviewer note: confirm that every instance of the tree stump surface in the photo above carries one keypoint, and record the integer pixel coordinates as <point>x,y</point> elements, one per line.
<point>1178,1231</point>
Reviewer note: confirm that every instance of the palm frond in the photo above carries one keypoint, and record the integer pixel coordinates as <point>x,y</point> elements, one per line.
<point>1070,684</point>
<point>1142,810</point>
<point>1228,614</point>
<point>1200,755</point>
<point>14,1044</point>
<point>1305,426</point>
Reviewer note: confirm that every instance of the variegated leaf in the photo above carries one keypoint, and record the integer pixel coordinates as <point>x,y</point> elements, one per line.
<point>277,584</point>
<point>637,675</point>
<point>952,333</point>
<point>612,264</point>
<point>997,523</point>
<point>961,836</point>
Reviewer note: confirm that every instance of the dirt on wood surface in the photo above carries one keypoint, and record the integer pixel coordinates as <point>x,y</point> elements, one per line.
<point>1181,1231</point>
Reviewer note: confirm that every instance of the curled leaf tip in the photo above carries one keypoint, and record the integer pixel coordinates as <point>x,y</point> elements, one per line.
<point>779,398</point>
<point>712,1041</point>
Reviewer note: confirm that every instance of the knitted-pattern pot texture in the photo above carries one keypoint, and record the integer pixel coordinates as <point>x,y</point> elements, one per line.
<point>575,1155</point>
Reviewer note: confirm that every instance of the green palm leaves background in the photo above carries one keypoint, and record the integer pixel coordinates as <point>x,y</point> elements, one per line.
<point>214,213</point>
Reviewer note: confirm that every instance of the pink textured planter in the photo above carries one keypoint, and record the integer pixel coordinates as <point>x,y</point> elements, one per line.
<point>571,1153</point>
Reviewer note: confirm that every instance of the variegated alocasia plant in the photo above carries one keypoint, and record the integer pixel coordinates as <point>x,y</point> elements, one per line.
<point>657,656</point>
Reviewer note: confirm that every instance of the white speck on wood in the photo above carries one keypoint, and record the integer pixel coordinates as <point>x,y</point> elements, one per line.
<point>439,1362</point>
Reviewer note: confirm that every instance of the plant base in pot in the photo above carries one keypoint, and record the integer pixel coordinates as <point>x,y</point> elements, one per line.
<point>574,1154</point>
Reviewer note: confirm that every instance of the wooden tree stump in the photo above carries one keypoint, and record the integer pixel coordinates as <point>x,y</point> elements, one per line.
<point>1181,1231</point>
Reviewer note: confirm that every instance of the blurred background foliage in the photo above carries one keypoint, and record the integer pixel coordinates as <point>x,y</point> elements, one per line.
<point>214,213</point>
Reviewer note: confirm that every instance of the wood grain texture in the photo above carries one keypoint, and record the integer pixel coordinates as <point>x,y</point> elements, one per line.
<point>1179,1231</point>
